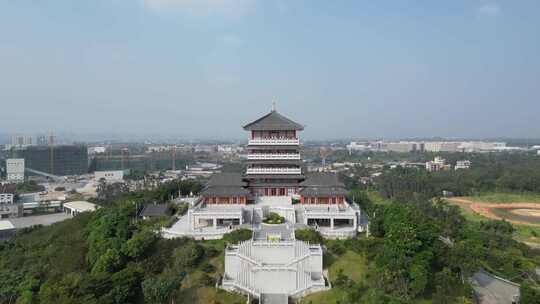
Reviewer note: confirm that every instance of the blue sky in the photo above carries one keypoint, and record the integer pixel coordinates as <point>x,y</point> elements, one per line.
<point>461,68</point>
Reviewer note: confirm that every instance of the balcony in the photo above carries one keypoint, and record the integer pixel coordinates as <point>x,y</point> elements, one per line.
<point>274,141</point>
<point>274,171</point>
<point>265,156</point>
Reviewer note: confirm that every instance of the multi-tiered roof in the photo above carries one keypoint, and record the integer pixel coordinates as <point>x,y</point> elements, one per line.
<point>273,121</point>
<point>274,168</point>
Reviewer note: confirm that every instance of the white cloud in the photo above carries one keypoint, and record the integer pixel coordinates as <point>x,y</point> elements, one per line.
<point>489,9</point>
<point>231,8</point>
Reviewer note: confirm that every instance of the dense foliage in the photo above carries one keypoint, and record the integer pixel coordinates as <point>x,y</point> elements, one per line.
<point>29,186</point>
<point>515,172</point>
<point>108,256</point>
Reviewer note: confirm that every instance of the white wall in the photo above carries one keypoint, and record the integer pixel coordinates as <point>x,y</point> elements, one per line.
<point>110,176</point>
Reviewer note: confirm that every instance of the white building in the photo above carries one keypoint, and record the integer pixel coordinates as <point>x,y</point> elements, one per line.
<point>96,150</point>
<point>441,146</point>
<point>111,176</point>
<point>74,208</point>
<point>437,164</point>
<point>404,146</point>
<point>354,146</point>
<point>6,198</point>
<point>15,170</point>
<point>462,164</point>
<point>481,146</point>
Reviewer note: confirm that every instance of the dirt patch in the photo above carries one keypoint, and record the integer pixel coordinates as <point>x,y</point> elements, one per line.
<point>486,209</point>
<point>527,212</point>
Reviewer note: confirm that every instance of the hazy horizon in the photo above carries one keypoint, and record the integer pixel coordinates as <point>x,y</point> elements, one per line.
<point>203,68</point>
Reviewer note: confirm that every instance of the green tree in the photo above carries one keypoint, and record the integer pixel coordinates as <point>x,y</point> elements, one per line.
<point>138,244</point>
<point>529,293</point>
<point>188,255</point>
<point>109,262</point>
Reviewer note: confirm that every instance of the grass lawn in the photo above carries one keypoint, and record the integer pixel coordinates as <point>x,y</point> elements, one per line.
<point>353,265</point>
<point>325,297</point>
<point>210,295</point>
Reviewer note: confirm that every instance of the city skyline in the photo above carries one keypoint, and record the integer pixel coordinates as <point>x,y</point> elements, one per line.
<point>197,68</point>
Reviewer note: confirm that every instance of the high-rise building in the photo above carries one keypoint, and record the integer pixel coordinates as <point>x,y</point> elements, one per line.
<point>57,160</point>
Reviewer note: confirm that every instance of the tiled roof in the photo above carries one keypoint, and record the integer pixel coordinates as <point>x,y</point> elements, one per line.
<point>226,179</point>
<point>322,179</point>
<point>226,184</point>
<point>322,184</point>
<point>225,191</point>
<point>273,121</point>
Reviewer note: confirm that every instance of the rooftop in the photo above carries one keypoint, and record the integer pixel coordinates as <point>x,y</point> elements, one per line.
<point>273,121</point>
<point>322,184</point>
<point>226,184</point>
<point>226,179</point>
<point>225,191</point>
<point>321,179</point>
<point>6,225</point>
<point>8,188</point>
<point>81,206</point>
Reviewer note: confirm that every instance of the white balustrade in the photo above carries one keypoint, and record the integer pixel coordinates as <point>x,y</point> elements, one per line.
<point>274,171</point>
<point>274,141</point>
<point>256,156</point>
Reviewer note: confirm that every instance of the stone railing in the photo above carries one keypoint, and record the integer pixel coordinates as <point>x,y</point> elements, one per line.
<point>274,171</point>
<point>274,141</point>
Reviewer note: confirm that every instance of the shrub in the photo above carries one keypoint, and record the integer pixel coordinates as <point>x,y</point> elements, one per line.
<point>337,248</point>
<point>207,267</point>
<point>308,235</point>
<point>238,235</point>
<point>274,218</point>
<point>206,280</point>
<point>182,209</point>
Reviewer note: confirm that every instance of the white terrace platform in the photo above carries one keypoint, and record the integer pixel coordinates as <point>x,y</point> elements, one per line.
<point>213,220</point>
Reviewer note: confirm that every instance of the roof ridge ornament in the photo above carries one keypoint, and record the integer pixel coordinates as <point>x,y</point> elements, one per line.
<point>274,105</point>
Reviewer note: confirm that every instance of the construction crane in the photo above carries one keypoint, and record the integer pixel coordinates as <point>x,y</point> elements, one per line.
<point>173,151</point>
<point>51,153</point>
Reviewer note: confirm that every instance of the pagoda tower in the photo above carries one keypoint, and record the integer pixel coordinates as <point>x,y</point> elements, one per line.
<point>274,166</point>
